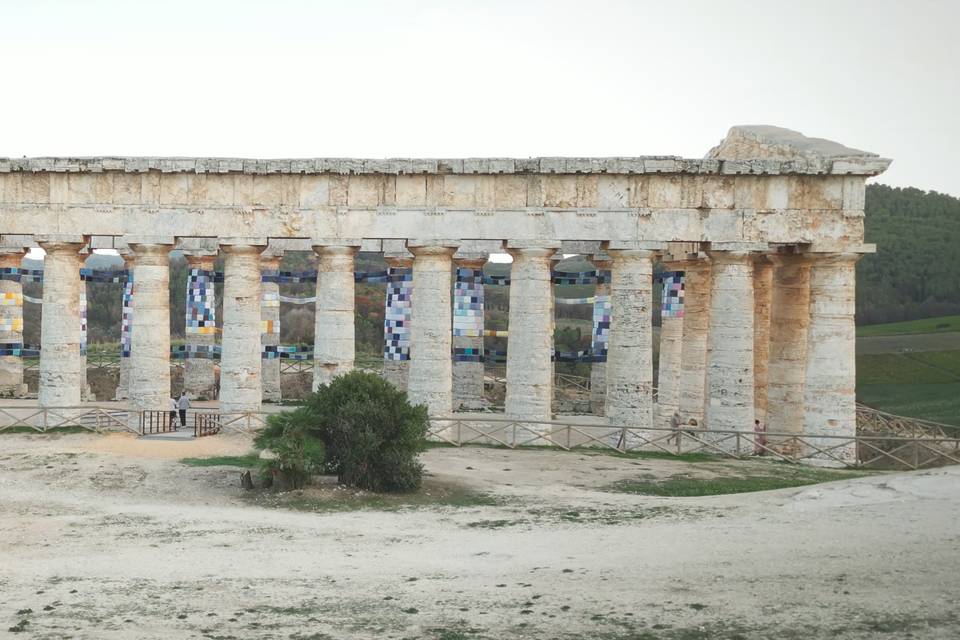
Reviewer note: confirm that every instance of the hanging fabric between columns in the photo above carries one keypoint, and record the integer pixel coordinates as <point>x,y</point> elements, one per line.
<point>468,333</point>
<point>671,346</point>
<point>200,326</point>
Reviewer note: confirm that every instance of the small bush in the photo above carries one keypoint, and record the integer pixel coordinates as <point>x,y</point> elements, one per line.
<point>297,453</point>
<point>358,427</point>
<point>372,434</point>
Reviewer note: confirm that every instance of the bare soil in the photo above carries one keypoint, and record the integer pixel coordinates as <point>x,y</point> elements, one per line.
<point>112,537</point>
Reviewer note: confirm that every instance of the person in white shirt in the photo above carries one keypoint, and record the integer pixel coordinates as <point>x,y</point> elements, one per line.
<point>173,411</point>
<point>183,405</point>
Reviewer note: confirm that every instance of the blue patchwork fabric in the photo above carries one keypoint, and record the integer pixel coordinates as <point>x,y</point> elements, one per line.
<point>468,303</point>
<point>672,295</point>
<point>396,319</point>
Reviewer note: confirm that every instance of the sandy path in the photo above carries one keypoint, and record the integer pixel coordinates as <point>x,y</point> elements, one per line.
<point>102,545</point>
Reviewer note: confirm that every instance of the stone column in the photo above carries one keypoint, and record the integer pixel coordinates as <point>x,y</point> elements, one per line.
<point>240,384</point>
<point>730,385</point>
<point>598,369</point>
<point>789,321</point>
<point>830,389</point>
<point>431,371</point>
<point>696,327</point>
<point>61,374</point>
<point>396,362</point>
<point>150,328</point>
<point>85,391</point>
<point>762,286</point>
<point>123,384</point>
<point>531,324</point>
<point>11,325</point>
<point>671,350</point>
<point>468,367</point>
<point>270,317</point>
<point>199,374</point>
<point>333,346</point>
<point>630,353</point>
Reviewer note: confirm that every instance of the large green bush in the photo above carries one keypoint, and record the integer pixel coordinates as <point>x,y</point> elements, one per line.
<point>371,434</point>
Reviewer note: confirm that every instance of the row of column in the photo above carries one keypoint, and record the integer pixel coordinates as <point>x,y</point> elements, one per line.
<point>771,338</point>
<point>767,337</point>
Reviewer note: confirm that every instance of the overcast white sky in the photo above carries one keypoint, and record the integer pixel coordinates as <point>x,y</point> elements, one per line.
<point>283,78</point>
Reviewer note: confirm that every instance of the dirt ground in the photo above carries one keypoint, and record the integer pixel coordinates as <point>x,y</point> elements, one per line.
<point>112,537</point>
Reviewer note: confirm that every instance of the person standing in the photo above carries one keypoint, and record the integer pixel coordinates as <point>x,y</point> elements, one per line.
<point>173,411</point>
<point>183,405</point>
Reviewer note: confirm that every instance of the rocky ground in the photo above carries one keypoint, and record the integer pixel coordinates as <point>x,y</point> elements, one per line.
<point>112,537</point>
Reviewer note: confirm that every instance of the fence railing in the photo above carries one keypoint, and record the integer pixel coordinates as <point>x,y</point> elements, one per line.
<point>871,451</point>
<point>92,418</point>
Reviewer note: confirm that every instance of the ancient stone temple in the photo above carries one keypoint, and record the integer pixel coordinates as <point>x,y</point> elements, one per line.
<point>759,241</point>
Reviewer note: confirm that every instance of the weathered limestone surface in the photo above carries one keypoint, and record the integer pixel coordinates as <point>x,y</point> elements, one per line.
<point>199,374</point>
<point>270,312</point>
<point>598,370</point>
<point>240,383</point>
<point>531,322</point>
<point>60,363</point>
<point>333,346</point>
<point>468,376</point>
<point>762,291</point>
<point>830,385</point>
<point>430,380</point>
<point>150,333</point>
<point>669,376</point>
<point>11,367</point>
<point>789,320</point>
<point>630,351</point>
<point>790,189</point>
<point>696,327</point>
<point>729,386</point>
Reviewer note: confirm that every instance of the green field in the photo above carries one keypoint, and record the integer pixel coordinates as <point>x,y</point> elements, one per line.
<point>927,325</point>
<point>921,385</point>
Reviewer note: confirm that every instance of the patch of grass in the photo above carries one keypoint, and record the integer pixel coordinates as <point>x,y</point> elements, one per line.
<point>338,499</point>
<point>947,361</point>
<point>51,431</point>
<point>927,325</point>
<point>779,477</point>
<point>247,460</point>
<point>937,402</point>
<point>890,368</point>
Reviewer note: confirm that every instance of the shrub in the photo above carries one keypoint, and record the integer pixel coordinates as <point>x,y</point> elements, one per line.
<point>297,453</point>
<point>371,433</point>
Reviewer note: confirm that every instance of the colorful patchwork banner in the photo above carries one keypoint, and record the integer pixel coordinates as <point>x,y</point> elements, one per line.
<point>581,277</point>
<point>201,315</point>
<point>11,324</point>
<point>103,275</point>
<point>602,310</point>
<point>269,299</point>
<point>372,276</point>
<point>490,333</point>
<point>83,319</point>
<point>396,318</point>
<point>288,277</point>
<point>672,302</point>
<point>467,354</point>
<point>206,351</point>
<point>468,303</point>
<point>289,352</point>
<point>11,349</point>
<point>127,317</point>
<point>11,299</point>
<point>270,326</point>
<point>589,300</point>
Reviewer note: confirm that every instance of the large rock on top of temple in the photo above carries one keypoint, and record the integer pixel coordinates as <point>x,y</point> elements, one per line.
<point>760,141</point>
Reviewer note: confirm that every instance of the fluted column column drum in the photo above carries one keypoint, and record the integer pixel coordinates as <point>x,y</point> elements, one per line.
<point>333,348</point>
<point>150,330</point>
<point>240,382</point>
<point>61,374</point>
